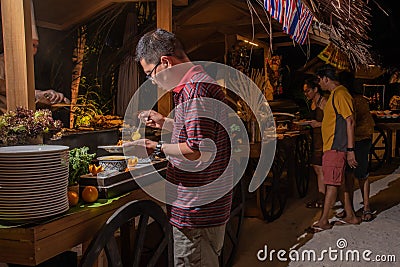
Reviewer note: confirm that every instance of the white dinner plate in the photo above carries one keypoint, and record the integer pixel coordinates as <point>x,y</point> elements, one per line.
<point>44,199</point>
<point>112,148</point>
<point>33,158</point>
<point>33,174</point>
<point>31,149</point>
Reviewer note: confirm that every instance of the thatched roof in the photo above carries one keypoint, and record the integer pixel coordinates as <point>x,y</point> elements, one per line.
<point>348,25</point>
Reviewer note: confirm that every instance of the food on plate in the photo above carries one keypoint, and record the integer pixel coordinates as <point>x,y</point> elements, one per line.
<point>90,194</point>
<point>94,170</point>
<point>135,136</point>
<point>132,162</point>
<point>106,121</point>
<point>121,142</point>
<point>112,158</point>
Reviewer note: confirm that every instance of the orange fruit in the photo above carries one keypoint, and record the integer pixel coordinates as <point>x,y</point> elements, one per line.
<point>90,194</point>
<point>73,198</point>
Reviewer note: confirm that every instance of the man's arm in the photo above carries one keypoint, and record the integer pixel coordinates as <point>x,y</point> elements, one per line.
<point>351,159</point>
<point>181,150</point>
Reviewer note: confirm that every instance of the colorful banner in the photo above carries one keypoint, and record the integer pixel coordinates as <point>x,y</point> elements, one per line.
<point>295,17</point>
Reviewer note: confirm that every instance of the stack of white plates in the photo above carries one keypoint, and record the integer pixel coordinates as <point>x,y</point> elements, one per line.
<point>33,182</point>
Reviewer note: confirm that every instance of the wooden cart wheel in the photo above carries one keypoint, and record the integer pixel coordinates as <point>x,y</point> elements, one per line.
<point>302,163</point>
<point>233,226</point>
<point>379,151</point>
<point>273,192</point>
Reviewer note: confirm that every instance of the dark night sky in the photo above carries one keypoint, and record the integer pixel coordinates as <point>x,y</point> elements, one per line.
<point>385,31</point>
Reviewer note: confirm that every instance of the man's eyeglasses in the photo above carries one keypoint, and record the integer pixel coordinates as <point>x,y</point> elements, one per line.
<point>148,76</point>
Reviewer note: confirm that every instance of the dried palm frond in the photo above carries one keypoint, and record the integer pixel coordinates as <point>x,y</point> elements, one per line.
<point>347,22</point>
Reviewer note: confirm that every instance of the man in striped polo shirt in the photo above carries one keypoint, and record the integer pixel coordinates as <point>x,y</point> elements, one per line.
<point>199,151</point>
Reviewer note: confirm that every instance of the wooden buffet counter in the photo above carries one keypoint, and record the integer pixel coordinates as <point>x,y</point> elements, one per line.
<point>33,244</point>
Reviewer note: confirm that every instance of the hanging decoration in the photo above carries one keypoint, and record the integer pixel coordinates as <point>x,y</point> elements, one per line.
<point>274,74</point>
<point>347,23</point>
<point>332,55</point>
<point>295,17</point>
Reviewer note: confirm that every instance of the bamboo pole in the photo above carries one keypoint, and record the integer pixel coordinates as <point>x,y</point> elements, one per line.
<point>164,21</point>
<point>77,59</point>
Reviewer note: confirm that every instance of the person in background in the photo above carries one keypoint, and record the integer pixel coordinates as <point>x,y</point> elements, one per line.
<point>338,146</point>
<point>311,90</point>
<point>364,129</point>
<point>198,231</point>
<point>43,98</point>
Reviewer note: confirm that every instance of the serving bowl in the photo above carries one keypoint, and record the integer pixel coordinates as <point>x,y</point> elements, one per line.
<point>109,163</point>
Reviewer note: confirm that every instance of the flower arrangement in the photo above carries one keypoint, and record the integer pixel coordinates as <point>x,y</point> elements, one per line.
<point>22,125</point>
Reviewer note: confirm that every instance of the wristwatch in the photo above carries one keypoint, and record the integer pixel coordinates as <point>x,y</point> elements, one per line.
<point>158,150</point>
<point>349,149</point>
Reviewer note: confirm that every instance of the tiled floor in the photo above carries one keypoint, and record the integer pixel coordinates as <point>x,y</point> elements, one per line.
<point>287,232</point>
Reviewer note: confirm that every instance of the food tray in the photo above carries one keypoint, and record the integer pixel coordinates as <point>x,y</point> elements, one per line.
<point>124,182</point>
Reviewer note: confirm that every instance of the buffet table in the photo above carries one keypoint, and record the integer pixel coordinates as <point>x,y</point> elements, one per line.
<point>33,243</point>
<point>390,128</point>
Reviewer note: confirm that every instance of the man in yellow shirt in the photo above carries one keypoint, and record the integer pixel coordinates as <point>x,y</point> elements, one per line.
<point>338,139</point>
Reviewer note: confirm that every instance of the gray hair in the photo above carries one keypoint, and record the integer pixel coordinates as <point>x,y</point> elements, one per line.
<point>155,44</point>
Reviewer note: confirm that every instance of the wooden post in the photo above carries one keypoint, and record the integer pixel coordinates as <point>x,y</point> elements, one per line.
<point>164,21</point>
<point>18,54</point>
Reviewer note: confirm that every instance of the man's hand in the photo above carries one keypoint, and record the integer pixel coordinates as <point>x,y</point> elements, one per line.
<point>50,97</point>
<point>315,124</point>
<point>152,118</point>
<point>351,159</point>
<point>142,148</point>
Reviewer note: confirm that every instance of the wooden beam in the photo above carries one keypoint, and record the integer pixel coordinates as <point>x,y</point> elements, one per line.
<point>283,44</point>
<point>18,54</point>
<point>245,12</point>
<point>76,16</point>
<point>180,2</point>
<point>212,38</point>
<point>256,41</point>
<point>164,14</point>
<point>188,12</point>
<point>274,34</point>
<point>164,21</point>
<point>318,40</point>
<point>242,22</point>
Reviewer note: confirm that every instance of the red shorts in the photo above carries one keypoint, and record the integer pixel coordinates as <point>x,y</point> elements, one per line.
<point>333,167</point>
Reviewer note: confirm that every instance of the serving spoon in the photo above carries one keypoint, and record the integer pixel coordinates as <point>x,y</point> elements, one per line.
<point>136,135</point>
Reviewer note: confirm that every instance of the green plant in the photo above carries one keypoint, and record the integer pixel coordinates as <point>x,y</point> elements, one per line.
<point>79,160</point>
<point>88,107</point>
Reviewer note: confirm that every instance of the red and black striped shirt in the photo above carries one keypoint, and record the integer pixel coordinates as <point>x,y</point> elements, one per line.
<point>199,121</point>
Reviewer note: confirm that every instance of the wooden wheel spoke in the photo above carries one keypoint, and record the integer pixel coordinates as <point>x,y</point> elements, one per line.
<point>112,252</point>
<point>160,249</point>
<point>140,237</point>
<point>233,227</point>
